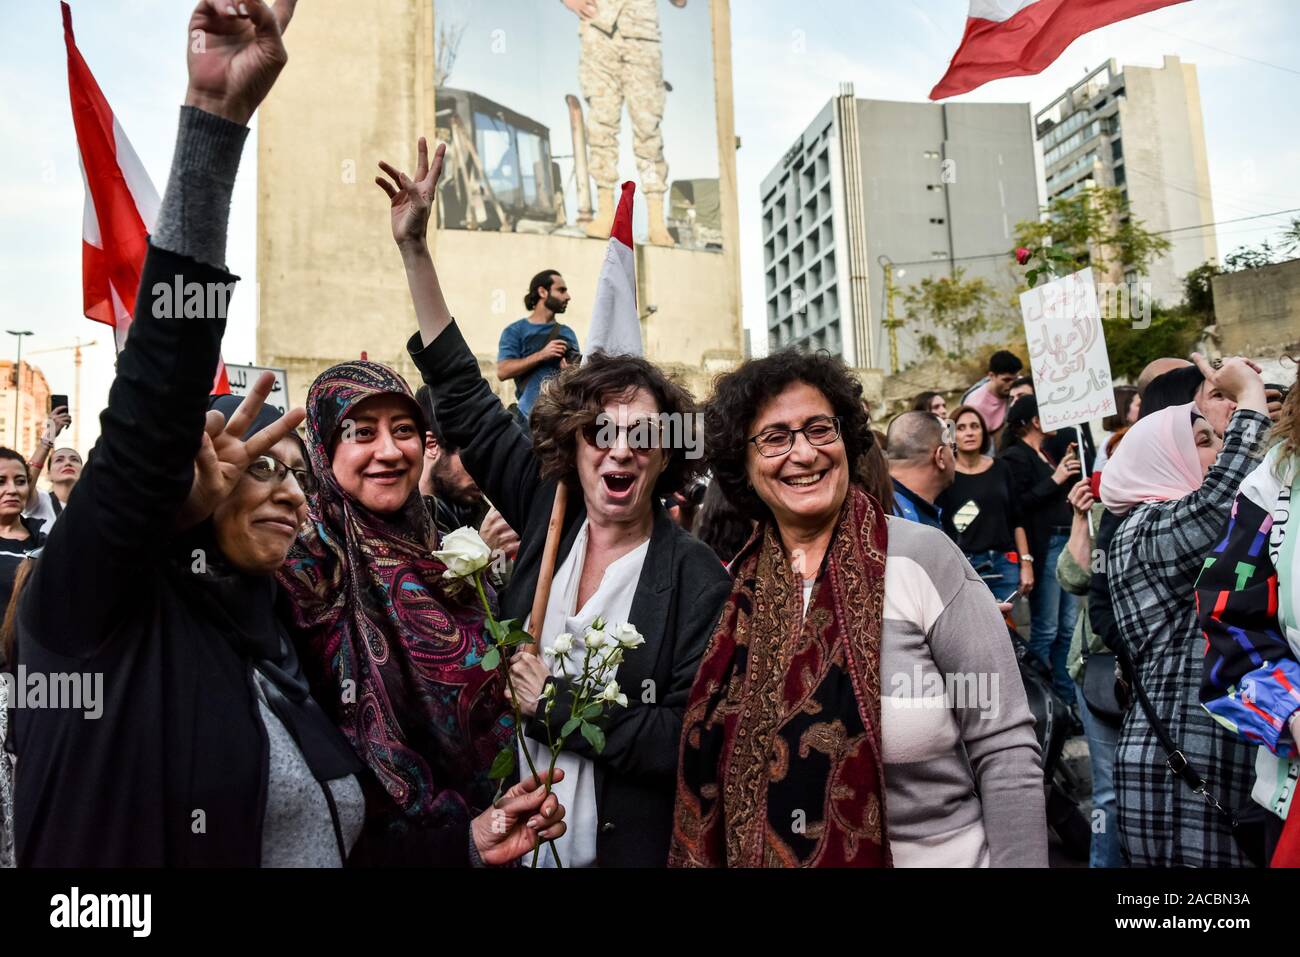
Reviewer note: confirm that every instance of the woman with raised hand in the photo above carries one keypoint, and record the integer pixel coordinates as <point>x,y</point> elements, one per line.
<point>195,742</point>
<point>621,557</point>
<point>859,703</point>
<point>1173,480</point>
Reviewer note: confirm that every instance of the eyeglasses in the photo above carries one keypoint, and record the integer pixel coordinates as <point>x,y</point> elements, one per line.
<point>641,436</point>
<point>267,468</point>
<point>774,442</point>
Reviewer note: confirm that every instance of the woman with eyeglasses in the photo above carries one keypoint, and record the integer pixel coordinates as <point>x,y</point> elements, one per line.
<point>601,429</point>
<point>191,739</point>
<point>859,704</point>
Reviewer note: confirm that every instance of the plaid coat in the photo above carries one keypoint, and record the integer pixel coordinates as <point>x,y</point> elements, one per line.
<point>1153,562</point>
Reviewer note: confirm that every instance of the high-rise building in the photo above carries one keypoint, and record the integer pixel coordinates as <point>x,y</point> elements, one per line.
<point>21,432</point>
<point>1138,129</point>
<point>927,187</point>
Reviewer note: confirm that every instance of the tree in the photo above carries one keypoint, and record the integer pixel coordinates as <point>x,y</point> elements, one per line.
<point>1094,227</point>
<point>950,312</point>
<point>1249,257</point>
<point>1198,292</point>
<point>1290,242</point>
<point>1173,332</point>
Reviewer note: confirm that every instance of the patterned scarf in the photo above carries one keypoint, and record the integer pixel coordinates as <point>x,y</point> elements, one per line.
<point>781,755</point>
<point>390,653</point>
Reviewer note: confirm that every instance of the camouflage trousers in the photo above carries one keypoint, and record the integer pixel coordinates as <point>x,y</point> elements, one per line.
<point>613,70</point>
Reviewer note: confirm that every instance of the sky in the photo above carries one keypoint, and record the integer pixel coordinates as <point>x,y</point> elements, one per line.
<point>788,60</point>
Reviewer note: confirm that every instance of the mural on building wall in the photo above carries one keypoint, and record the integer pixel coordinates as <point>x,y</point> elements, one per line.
<point>547,105</point>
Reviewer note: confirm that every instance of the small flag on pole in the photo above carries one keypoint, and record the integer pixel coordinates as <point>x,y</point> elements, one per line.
<point>121,205</point>
<point>615,321</point>
<point>1022,37</point>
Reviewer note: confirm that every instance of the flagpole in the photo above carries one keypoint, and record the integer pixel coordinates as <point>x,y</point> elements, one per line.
<point>546,575</point>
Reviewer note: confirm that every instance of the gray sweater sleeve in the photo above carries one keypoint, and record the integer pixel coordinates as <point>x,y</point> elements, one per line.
<point>970,638</point>
<point>196,207</point>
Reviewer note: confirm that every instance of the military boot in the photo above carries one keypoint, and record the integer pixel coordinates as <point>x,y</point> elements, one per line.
<point>603,222</point>
<point>658,232</point>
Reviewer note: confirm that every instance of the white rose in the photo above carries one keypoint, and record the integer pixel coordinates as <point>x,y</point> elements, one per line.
<point>562,645</point>
<point>627,635</point>
<point>611,693</point>
<point>596,638</point>
<point>463,552</point>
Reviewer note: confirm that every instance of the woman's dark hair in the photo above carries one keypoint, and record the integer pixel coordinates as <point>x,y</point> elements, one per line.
<point>720,525</point>
<point>1023,381</point>
<point>1175,387</point>
<point>8,453</point>
<point>923,399</point>
<point>1019,418</point>
<point>979,417</point>
<point>872,474</point>
<point>1123,399</point>
<point>576,397</point>
<point>738,395</point>
<point>544,278</point>
<point>9,628</point>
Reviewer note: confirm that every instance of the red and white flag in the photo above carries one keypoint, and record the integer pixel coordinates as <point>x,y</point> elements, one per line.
<point>1021,37</point>
<point>121,205</point>
<point>615,321</point>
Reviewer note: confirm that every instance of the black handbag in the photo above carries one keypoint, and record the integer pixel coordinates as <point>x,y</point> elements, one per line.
<point>1099,677</point>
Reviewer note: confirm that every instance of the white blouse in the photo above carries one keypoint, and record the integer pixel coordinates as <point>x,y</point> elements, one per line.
<point>611,601</point>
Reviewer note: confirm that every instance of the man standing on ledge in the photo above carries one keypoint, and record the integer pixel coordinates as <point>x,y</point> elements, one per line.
<point>622,60</point>
<point>537,346</point>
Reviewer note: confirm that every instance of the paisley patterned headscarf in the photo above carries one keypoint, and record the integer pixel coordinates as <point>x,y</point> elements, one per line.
<point>391,648</point>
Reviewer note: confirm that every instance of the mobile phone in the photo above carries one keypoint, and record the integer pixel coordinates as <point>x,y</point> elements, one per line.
<point>1014,597</point>
<point>58,400</point>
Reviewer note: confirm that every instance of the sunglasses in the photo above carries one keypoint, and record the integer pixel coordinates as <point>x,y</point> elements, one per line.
<point>267,468</point>
<point>641,436</point>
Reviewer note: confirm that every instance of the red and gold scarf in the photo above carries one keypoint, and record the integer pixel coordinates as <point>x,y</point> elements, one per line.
<point>781,756</point>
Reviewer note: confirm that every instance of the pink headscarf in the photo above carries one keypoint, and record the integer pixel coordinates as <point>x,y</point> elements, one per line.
<point>1156,462</point>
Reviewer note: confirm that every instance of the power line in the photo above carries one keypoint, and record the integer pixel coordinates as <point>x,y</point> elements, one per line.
<point>1163,232</point>
<point>1239,56</point>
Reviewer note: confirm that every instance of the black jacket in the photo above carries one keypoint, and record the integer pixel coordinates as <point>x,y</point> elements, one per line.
<point>1043,505</point>
<point>174,772</point>
<point>678,600</point>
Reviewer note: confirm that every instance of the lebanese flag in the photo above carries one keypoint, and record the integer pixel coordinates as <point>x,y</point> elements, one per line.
<point>1021,37</point>
<point>615,321</point>
<point>121,205</point>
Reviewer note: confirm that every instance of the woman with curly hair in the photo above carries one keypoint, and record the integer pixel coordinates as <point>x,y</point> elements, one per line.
<point>599,428</point>
<point>859,703</point>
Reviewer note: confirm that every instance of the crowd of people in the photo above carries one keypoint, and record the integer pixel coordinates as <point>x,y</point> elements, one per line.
<point>830,674</point>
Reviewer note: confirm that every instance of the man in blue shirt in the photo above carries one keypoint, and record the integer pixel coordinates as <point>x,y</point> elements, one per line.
<point>921,464</point>
<point>537,347</point>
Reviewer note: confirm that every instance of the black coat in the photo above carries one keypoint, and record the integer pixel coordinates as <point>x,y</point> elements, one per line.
<point>678,600</point>
<point>174,772</point>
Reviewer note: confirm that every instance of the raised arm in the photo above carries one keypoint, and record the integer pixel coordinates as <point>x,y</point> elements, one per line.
<point>141,471</point>
<point>494,450</point>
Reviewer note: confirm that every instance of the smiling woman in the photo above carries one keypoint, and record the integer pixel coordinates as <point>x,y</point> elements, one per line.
<point>390,654</point>
<point>791,754</point>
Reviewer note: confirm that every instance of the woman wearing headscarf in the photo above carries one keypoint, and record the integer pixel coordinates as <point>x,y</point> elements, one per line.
<point>1173,480</point>
<point>836,719</point>
<point>1248,600</point>
<point>391,651</point>
<point>195,741</point>
<point>621,558</point>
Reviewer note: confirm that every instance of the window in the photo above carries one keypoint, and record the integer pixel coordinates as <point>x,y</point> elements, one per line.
<point>931,154</point>
<point>500,160</point>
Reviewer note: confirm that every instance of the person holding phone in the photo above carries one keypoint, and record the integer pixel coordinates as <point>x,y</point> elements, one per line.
<point>65,468</point>
<point>1041,487</point>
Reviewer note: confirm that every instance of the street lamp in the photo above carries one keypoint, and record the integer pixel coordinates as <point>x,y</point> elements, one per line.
<point>18,381</point>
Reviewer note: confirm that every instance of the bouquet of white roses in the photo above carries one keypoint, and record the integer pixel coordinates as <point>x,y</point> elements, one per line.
<point>466,555</point>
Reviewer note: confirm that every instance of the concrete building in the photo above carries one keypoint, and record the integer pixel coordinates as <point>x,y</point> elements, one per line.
<point>22,433</point>
<point>930,187</point>
<point>1138,129</point>
<point>1257,311</point>
<point>331,284</point>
